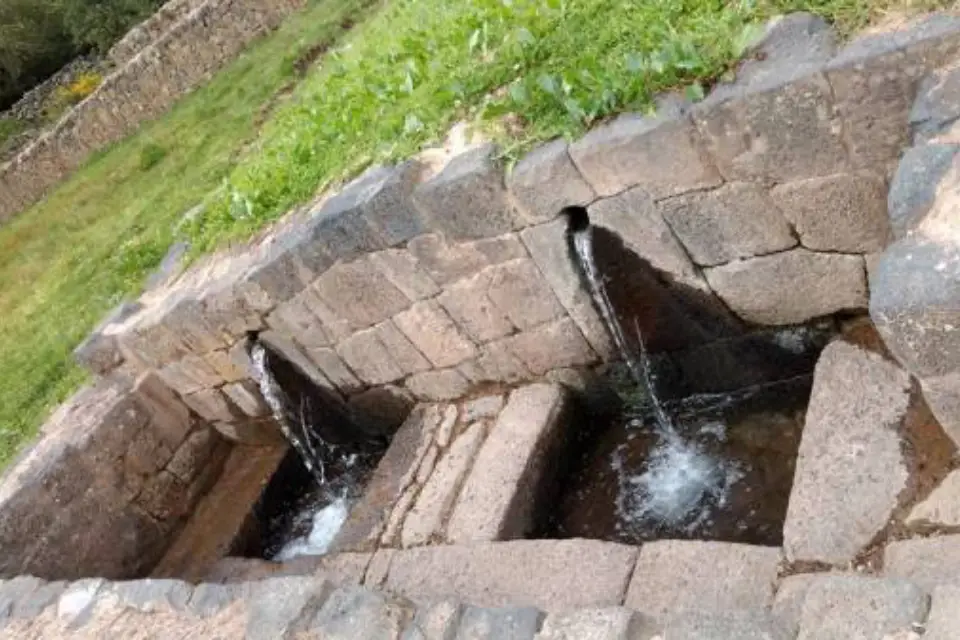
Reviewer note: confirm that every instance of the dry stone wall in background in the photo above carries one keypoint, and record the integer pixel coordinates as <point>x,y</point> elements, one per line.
<point>184,57</point>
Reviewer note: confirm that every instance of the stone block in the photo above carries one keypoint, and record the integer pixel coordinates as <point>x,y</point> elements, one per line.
<point>230,365</point>
<point>850,446</point>
<point>260,432</point>
<point>935,107</point>
<point>512,623</point>
<point>187,319</point>
<point>100,352</point>
<point>926,562</point>
<point>915,184</point>
<point>425,521</point>
<point>15,591</point>
<point>846,213</point>
<point>545,180</point>
<point>549,247</point>
<point>360,293</point>
<point>537,573</point>
<point>279,271</point>
<point>788,604</point>
<point>501,495</point>
<point>383,408</point>
<point>725,625</point>
<point>674,576</point>
<point>737,220</point>
<point>212,405</point>
<point>295,320</point>
<point>480,408</point>
<point>378,205</point>
<point>942,394</point>
<point>942,507</point>
<point>339,226</point>
<point>661,155</point>
<point>446,262</point>
<point>432,331</point>
<point>551,346</point>
<point>381,354</point>
<point>496,363</point>
<point>164,497</point>
<point>146,455</point>
<point>32,604</point>
<point>392,477</point>
<point>246,396</point>
<point>335,370</point>
<point>633,216</point>
<point>520,292</point>
<point>193,453</point>
<point>168,415</point>
<point>359,614</point>
<point>749,141</point>
<point>790,287</point>
<point>284,347</point>
<point>437,621</point>
<point>943,622</point>
<point>403,272</point>
<point>614,623</point>
<point>472,309</point>
<point>914,304</point>
<point>282,607</point>
<point>861,608</point>
<point>175,376</point>
<point>152,596</point>
<point>445,384</point>
<point>467,199</point>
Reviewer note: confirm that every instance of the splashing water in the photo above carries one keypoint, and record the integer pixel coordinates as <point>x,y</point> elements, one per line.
<point>326,523</point>
<point>679,484</point>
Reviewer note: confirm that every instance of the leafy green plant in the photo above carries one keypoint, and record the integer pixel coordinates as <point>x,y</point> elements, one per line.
<point>151,154</point>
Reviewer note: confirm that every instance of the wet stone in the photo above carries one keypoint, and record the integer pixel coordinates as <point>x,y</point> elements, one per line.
<point>359,614</point>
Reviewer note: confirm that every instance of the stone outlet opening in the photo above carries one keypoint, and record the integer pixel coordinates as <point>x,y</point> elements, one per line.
<point>696,432</point>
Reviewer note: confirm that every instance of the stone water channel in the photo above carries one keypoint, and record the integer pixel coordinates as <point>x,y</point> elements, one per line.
<point>663,414</point>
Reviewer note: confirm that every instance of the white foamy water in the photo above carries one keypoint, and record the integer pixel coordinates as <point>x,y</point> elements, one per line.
<point>679,485</point>
<point>326,524</point>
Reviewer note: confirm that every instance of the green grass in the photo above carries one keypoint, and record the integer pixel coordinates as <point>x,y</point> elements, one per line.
<point>393,83</point>
<point>9,127</point>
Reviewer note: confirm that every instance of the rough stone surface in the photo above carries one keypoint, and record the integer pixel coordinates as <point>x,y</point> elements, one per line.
<point>446,384</point>
<point>485,407</point>
<point>660,155</point>
<point>915,184</point>
<point>496,363</point>
<point>550,346</point>
<point>726,625</point>
<point>519,573</point>
<point>738,220</point>
<point>446,263</point>
<point>942,507</point>
<point>335,370</point>
<point>615,623</point>
<point>295,319</point>
<point>360,293</point>
<point>500,496</point>
<point>673,576</point>
<point>545,180</point>
<point>850,447</point>
<point>926,562</point>
<point>943,623</point>
<point>278,606</point>
<point>861,608</point>
<point>432,331</point>
<point>788,603</point>
<point>385,407</point>
<point>472,309</point>
<point>791,287</point>
<point>435,501</point>
<point>381,354</point>
<point>100,353</point>
<point>402,270</point>
<point>633,216</point>
<point>519,290</point>
<point>506,624</point>
<point>438,621</point>
<point>846,213</point>
<point>359,614</point>
<point>467,199</point>
<point>749,141</point>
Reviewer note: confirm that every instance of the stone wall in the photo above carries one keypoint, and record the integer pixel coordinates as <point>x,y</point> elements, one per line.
<point>115,472</point>
<point>150,30</point>
<point>185,57</point>
<point>440,276</point>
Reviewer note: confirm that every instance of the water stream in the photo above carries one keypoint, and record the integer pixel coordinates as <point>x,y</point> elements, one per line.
<point>674,468</point>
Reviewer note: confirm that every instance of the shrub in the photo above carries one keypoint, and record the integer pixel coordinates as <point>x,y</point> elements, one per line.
<point>151,154</point>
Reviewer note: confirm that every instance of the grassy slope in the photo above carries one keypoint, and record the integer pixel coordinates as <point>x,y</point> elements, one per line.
<point>399,80</point>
